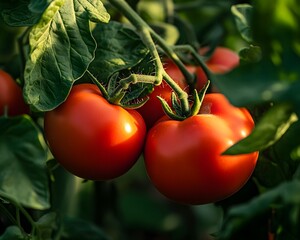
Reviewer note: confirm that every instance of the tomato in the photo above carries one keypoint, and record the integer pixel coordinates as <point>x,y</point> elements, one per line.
<point>11,96</point>
<point>221,61</point>
<point>152,110</point>
<point>92,138</point>
<point>184,159</point>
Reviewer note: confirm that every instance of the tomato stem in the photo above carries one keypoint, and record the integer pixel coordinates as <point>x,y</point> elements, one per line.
<point>147,35</point>
<point>169,10</point>
<point>196,57</point>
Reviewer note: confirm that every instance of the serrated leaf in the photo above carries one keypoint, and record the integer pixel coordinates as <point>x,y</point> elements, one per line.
<point>119,48</point>
<point>23,155</point>
<point>12,233</point>
<point>243,16</point>
<point>62,47</point>
<point>270,129</point>
<point>285,195</point>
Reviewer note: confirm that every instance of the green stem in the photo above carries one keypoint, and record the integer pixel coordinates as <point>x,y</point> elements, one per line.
<point>147,35</point>
<point>172,55</point>
<point>196,56</point>
<point>99,85</point>
<point>124,84</point>
<point>169,10</point>
<point>182,95</point>
<point>144,29</point>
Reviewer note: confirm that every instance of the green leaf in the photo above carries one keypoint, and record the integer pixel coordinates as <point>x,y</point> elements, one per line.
<point>255,83</point>
<point>79,229</point>
<point>118,48</point>
<point>282,19</point>
<point>270,129</point>
<point>243,17</point>
<point>251,54</point>
<point>24,12</point>
<point>286,195</point>
<point>268,173</point>
<point>62,47</point>
<point>12,233</point>
<point>46,225</point>
<point>23,155</point>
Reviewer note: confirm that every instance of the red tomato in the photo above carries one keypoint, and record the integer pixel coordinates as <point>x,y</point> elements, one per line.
<point>184,159</point>
<point>152,110</point>
<point>221,61</point>
<point>92,138</point>
<point>11,96</point>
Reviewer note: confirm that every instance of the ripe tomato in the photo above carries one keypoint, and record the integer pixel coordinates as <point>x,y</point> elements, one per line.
<point>221,61</point>
<point>184,159</point>
<point>92,138</point>
<point>11,96</point>
<point>152,110</point>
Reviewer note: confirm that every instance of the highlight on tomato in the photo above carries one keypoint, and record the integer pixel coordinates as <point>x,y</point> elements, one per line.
<point>184,158</point>
<point>11,98</point>
<point>92,138</point>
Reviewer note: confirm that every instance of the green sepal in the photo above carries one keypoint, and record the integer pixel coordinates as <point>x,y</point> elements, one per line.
<point>117,98</point>
<point>176,104</point>
<point>137,105</point>
<point>196,105</point>
<point>98,84</point>
<point>112,83</point>
<point>168,111</point>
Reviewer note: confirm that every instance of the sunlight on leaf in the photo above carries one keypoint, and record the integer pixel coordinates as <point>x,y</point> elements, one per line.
<point>270,129</point>
<point>242,15</point>
<point>62,47</point>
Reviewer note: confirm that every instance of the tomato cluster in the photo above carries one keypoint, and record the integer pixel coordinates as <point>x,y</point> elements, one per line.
<point>95,139</point>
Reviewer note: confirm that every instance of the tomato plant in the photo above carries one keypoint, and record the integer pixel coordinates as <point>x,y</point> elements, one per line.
<point>92,138</point>
<point>83,66</point>
<point>184,158</point>
<point>11,97</point>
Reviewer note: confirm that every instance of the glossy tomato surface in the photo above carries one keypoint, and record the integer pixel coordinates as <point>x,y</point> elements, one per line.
<point>92,138</point>
<point>184,159</point>
<point>11,97</point>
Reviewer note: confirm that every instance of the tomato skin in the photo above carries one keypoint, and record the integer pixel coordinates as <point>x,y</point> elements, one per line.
<point>11,96</point>
<point>221,61</point>
<point>92,138</point>
<point>183,158</point>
